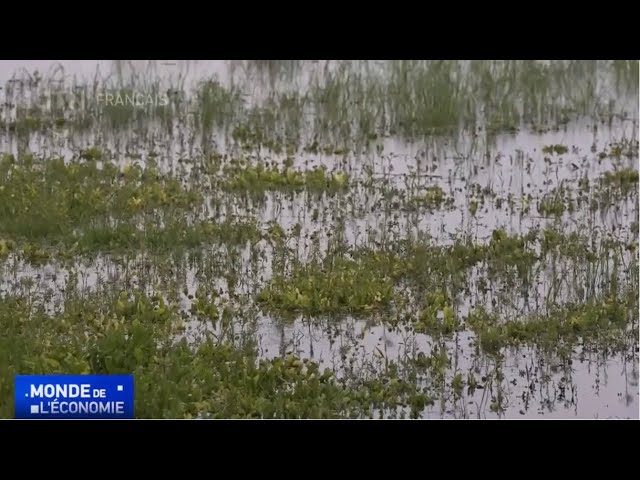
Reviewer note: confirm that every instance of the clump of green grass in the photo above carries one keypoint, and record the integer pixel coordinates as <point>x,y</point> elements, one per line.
<point>176,237</point>
<point>505,251</point>
<point>216,105</point>
<point>433,198</point>
<point>327,149</point>
<point>6,247</point>
<point>48,201</point>
<point>614,186</point>
<point>92,153</point>
<point>551,206</point>
<point>27,125</point>
<point>260,178</point>
<point>338,285</point>
<point>589,322</point>
<point>556,202</point>
<point>625,179</point>
<point>258,134</point>
<point>570,245</point>
<point>622,148</point>
<point>557,149</point>
<point>438,315</point>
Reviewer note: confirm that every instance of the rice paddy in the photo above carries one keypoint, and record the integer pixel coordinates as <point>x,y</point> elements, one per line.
<point>325,239</point>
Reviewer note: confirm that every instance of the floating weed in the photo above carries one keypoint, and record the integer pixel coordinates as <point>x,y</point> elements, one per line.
<point>258,179</point>
<point>35,255</point>
<point>551,206</point>
<point>473,207</point>
<point>6,247</point>
<point>623,148</point>
<point>338,285</point>
<point>177,237</point>
<point>555,202</point>
<point>625,179</point>
<point>93,153</point>
<point>433,198</point>
<point>457,385</point>
<point>583,324</point>
<point>438,315</point>
<point>555,149</point>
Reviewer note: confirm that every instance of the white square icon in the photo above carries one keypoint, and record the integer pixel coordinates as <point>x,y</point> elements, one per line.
<point>35,409</point>
<point>120,388</point>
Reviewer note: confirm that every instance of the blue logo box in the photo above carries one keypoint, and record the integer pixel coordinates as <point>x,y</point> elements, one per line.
<point>74,397</point>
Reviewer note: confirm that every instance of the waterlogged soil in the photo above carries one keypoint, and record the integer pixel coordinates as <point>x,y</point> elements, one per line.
<point>325,239</point>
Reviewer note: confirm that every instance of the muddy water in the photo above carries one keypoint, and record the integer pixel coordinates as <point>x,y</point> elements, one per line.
<point>535,384</point>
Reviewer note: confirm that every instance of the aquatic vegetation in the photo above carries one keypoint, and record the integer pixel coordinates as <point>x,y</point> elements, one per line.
<point>433,198</point>
<point>556,202</point>
<point>600,323</point>
<point>6,246</point>
<point>174,238</point>
<point>555,149</point>
<point>260,178</point>
<point>128,333</point>
<point>624,180</point>
<point>338,285</point>
<point>438,315</point>
<point>50,201</point>
<point>327,239</point>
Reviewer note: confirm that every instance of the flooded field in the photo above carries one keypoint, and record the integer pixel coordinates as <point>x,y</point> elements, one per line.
<point>325,239</point>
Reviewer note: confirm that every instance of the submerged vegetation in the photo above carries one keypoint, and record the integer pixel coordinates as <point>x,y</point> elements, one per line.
<point>402,239</point>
